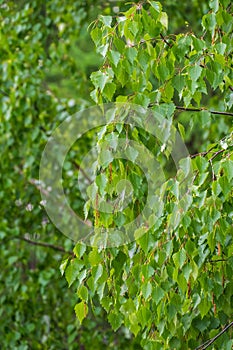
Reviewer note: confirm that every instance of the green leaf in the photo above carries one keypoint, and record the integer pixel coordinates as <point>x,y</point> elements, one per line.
<point>72,271</point>
<point>187,269</point>
<point>97,272</point>
<point>94,257</point>
<point>214,5</point>
<point>79,249</point>
<point>99,79</point>
<point>195,72</point>
<point>144,316</point>
<point>105,157</point>
<point>83,293</point>
<point>134,324</point>
<point>109,90</point>
<point>157,294</point>
<point>198,44</point>
<point>162,72</point>
<point>228,167</point>
<point>164,19</point>
<point>156,5</point>
<point>103,49</point>
<point>114,57</point>
<point>204,306</point>
<point>81,311</point>
<point>146,290</point>
<point>131,153</point>
<point>182,282</point>
<point>63,266</point>
<point>96,35</point>
<point>131,54</point>
<point>201,163</point>
<point>115,319</point>
<point>209,22</point>
<point>107,20</point>
<point>179,83</point>
<point>179,258</point>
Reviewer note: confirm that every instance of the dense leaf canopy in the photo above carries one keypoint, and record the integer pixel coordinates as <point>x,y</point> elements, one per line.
<point>167,288</point>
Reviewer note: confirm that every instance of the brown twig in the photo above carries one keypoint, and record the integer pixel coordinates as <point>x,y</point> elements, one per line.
<point>164,40</point>
<point>41,244</point>
<point>216,154</point>
<point>77,166</point>
<point>210,341</point>
<point>217,260</point>
<point>194,109</point>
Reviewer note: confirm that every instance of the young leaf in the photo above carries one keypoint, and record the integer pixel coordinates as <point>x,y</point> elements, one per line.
<point>81,311</point>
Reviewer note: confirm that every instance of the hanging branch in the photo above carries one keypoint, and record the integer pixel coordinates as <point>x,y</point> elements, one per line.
<point>210,341</point>
<point>193,109</point>
<point>41,244</point>
<point>77,166</point>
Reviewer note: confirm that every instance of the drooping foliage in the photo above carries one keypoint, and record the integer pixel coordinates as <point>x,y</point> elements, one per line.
<point>166,289</point>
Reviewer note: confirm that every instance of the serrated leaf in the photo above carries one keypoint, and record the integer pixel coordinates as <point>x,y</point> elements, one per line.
<point>106,20</point>
<point>63,266</point>
<point>109,90</point>
<point>131,153</point>
<point>228,167</point>
<point>115,319</point>
<point>134,324</point>
<point>195,72</point>
<point>97,272</point>
<point>157,294</point>
<point>114,57</point>
<point>83,293</point>
<point>156,5</point>
<point>105,158</point>
<point>131,54</point>
<point>164,19</point>
<point>204,306</point>
<point>94,257</point>
<point>79,249</point>
<point>179,258</point>
<point>179,82</point>
<point>187,269</point>
<point>81,311</point>
<point>99,79</point>
<point>101,181</point>
<point>96,35</point>
<point>146,290</point>
<point>73,270</point>
<point>103,49</point>
<point>181,131</point>
<point>201,163</point>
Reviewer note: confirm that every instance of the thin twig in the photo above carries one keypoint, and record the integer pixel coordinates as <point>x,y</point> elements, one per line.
<point>194,109</point>
<point>216,154</point>
<point>217,260</point>
<point>210,341</point>
<point>164,39</point>
<point>32,181</point>
<point>82,171</point>
<point>41,244</point>
<point>221,113</point>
